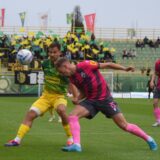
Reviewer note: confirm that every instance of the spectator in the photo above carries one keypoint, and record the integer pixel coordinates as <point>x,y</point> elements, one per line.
<point>139,44</point>
<point>158,40</point>
<point>81,55</point>
<point>68,55</point>
<point>133,53</point>
<point>145,41</point>
<point>129,53</point>
<point>125,54</point>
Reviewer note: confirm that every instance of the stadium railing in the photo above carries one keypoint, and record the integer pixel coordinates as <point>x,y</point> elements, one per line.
<point>100,33</point>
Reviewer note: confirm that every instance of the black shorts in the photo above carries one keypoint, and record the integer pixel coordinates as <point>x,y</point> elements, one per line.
<point>156,93</point>
<point>107,106</point>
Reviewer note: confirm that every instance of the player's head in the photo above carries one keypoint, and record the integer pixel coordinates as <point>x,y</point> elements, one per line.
<point>64,67</point>
<point>157,67</point>
<point>54,51</point>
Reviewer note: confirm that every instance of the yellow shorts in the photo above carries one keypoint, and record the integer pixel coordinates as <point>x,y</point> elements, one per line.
<point>48,101</point>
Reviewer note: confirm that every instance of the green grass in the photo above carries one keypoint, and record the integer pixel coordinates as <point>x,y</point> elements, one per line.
<point>100,138</point>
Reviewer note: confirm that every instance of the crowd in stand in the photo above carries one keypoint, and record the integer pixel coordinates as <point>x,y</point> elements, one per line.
<point>73,46</point>
<point>147,42</point>
<point>131,53</point>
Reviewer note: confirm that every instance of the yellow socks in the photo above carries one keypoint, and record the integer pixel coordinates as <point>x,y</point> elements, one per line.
<point>23,129</point>
<point>67,130</point>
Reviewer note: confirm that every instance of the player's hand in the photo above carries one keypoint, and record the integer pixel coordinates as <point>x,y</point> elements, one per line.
<point>129,69</point>
<point>75,100</point>
<point>151,85</point>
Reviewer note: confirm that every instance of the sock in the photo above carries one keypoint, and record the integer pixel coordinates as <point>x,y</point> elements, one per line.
<point>134,129</point>
<point>67,130</point>
<point>23,129</point>
<point>150,139</point>
<point>75,129</point>
<point>157,114</point>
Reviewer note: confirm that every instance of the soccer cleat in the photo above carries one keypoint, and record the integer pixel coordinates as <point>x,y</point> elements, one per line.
<point>156,124</point>
<point>152,145</point>
<point>12,143</point>
<point>72,148</point>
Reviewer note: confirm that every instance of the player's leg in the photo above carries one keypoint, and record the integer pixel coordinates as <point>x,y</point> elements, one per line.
<point>149,94</point>
<point>78,112</point>
<point>111,110</point>
<point>38,108</point>
<point>134,129</point>
<point>60,104</point>
<point>84,109</point>
<point>52,115</point>
<point>156,112</point>
<point>23,129</point>
<point>61,110</point>
<point>156,97</point>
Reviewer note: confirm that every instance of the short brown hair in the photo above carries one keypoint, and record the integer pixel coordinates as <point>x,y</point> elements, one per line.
<point>53,45</point>
<point>60,61</point>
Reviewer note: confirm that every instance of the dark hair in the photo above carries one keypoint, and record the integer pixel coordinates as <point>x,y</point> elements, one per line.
<point>53,45</point>
<point>60,61</point>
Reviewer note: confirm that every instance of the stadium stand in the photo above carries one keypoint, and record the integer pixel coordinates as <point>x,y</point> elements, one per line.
<point>78,49</point>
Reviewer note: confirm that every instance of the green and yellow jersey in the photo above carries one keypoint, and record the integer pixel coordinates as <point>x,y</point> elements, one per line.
<point>53,81</point>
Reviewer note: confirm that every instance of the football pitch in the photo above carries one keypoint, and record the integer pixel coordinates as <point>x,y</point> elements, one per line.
<point>101,138</point>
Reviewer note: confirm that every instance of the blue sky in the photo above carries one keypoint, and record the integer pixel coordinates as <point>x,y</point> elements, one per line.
<point>109,14</point>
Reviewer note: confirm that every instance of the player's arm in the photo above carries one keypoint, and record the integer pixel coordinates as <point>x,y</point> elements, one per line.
<point>152,80</point>
<point>115,66</point>
<point>77,94</point>
<point>81,96</point>
<point>73,90</point>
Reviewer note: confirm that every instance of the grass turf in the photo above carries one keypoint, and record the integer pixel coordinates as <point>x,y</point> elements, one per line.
<point>100,138</point>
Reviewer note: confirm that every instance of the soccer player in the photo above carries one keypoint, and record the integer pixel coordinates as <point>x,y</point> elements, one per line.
<point>156,92</point>
<point>88,79</point>
<point>53,96</point>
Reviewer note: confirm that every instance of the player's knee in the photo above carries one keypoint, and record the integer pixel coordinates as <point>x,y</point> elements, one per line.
<point>34,111</point>
<point>123,126</point>
<point>73,118</point>
<point>31,115</point>
<point>61,110</point>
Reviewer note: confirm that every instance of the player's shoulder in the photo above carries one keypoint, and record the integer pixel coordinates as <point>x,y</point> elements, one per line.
<point>87,63</point>
<point>157,65</point>
<point>157,61</point>
<point>45,62</point>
